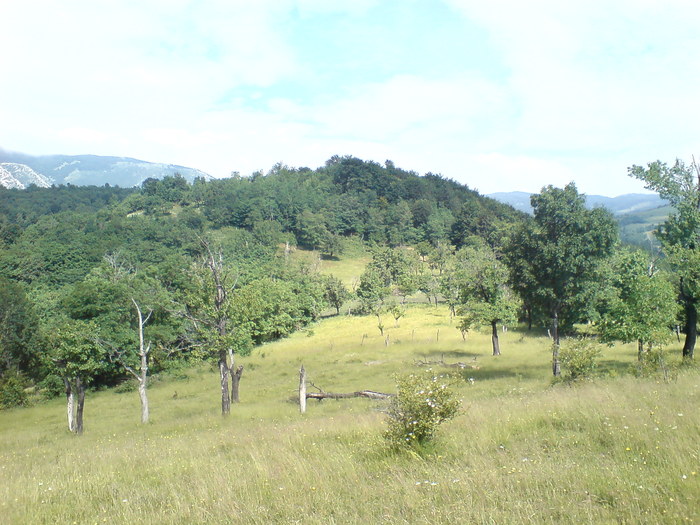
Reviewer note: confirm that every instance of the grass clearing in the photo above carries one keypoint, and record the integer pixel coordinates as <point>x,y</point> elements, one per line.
<point>617,450</point>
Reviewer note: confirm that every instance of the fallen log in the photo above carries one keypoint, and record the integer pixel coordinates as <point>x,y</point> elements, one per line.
<point>333,395</point>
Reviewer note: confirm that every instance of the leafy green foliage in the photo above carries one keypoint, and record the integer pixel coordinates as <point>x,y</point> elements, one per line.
<point>579,359</point>
<point>422,404</point>
<point>334,292</point>
<point>12,392</point>
<point>18,325</point>
<point>559,254</point>
<point>484,296</point>
<point>640,304</point>
<point>680,233</point>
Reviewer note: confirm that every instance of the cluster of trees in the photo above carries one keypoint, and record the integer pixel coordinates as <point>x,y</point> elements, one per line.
<point>127,282</point>
<point>99,284</point>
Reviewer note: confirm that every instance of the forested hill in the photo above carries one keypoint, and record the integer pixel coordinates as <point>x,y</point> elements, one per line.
<point>72,258</point>
<point>313,208</point>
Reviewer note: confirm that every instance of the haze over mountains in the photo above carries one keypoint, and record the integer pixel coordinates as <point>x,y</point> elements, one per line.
<point>620,205</point>
<point>18,170</point>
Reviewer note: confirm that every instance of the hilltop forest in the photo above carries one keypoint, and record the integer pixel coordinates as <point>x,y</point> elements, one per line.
<point>99,284</point>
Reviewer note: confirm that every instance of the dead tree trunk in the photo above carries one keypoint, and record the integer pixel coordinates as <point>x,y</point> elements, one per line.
<point>142,376</point>
<point>235,380</point>
<point>302,390</point>
<point>70,404</point>
<point>221,318</point>
<point>223,375</point>
<point>361,393</point>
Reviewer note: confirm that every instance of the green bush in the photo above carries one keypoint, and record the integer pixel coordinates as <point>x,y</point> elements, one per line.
<point>52,386</point>
<point>653,364</point>
<point>579,359</point>
<point>421,404</point>
<point>128,385</point>
<point>12,393</point>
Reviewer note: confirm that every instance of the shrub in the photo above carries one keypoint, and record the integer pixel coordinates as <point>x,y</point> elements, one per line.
<point>128,385</point>
<point>52,386</point>
<point>653,364</point>
<point>421,404</point>
<point>12,393</point>
<point>579,359</point>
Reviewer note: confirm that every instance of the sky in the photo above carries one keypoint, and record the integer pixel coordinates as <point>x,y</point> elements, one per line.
<point>499,95</point>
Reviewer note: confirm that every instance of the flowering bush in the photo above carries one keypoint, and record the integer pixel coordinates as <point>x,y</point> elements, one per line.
<point>421,404</point>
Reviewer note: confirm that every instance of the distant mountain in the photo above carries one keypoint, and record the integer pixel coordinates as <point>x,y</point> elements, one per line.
<point>621,205</point>
<point>20,176</point>
<point>18,170</point>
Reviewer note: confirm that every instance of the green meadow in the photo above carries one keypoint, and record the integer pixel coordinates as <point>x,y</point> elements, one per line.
<point>618,449</point>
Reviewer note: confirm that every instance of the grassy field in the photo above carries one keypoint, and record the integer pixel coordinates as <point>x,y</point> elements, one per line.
<point>616,450</point>
<point>348,267</point>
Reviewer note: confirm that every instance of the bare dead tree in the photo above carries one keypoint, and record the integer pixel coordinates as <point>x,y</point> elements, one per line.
<point>141,375</point>
<point>217,319</point>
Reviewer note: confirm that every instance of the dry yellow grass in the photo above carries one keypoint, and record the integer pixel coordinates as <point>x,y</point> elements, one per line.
<point>617,450</point>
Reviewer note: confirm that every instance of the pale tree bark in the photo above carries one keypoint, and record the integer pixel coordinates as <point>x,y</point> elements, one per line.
<point>142,376</point>
<point>70,404</point>
<point>302,390</point>
<point>556,367</point>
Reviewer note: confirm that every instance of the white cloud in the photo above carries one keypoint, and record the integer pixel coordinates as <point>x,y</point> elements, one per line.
<point>587,88</point>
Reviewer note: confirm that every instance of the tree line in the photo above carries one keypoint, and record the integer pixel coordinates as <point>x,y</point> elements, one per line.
<point>176,272</point>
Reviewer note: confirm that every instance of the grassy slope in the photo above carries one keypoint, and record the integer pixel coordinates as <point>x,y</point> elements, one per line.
<point>347,268</point>
<point>613,451</point>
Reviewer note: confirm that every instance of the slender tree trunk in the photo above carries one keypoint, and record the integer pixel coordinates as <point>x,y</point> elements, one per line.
<point>640,350</point>
<point>143,396</point>
<point>556,368</point>
<point>528,313</point>
<point>223,372</point>
<point>302,390</point>
<point>81,403</point>
<point>691,329</point>
<point>494,338</point>
<point>70,404</point>
<point>143,372</point>
<point>235,381</point>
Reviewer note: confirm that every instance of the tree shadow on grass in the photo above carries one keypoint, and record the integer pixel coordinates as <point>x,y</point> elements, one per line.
<point>521,373</point>
<point>614,367</point>
<point>448,355</point>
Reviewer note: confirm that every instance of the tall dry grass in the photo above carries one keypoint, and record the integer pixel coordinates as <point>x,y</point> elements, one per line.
<point>616,450</point>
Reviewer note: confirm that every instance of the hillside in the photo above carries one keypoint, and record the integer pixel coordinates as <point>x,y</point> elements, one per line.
<point>18,170</point>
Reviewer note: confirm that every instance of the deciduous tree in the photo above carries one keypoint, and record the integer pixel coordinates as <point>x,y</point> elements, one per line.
<point>561,251</point>
<point>680,233</point>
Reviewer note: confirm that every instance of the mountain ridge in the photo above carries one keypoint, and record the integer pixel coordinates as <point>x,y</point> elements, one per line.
<point>620,205</point>
<point>19,170</point>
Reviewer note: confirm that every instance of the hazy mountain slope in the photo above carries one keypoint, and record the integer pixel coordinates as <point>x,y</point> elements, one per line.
<point>620,205</point>
<point>84,170</point>
<point>13,175</point>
